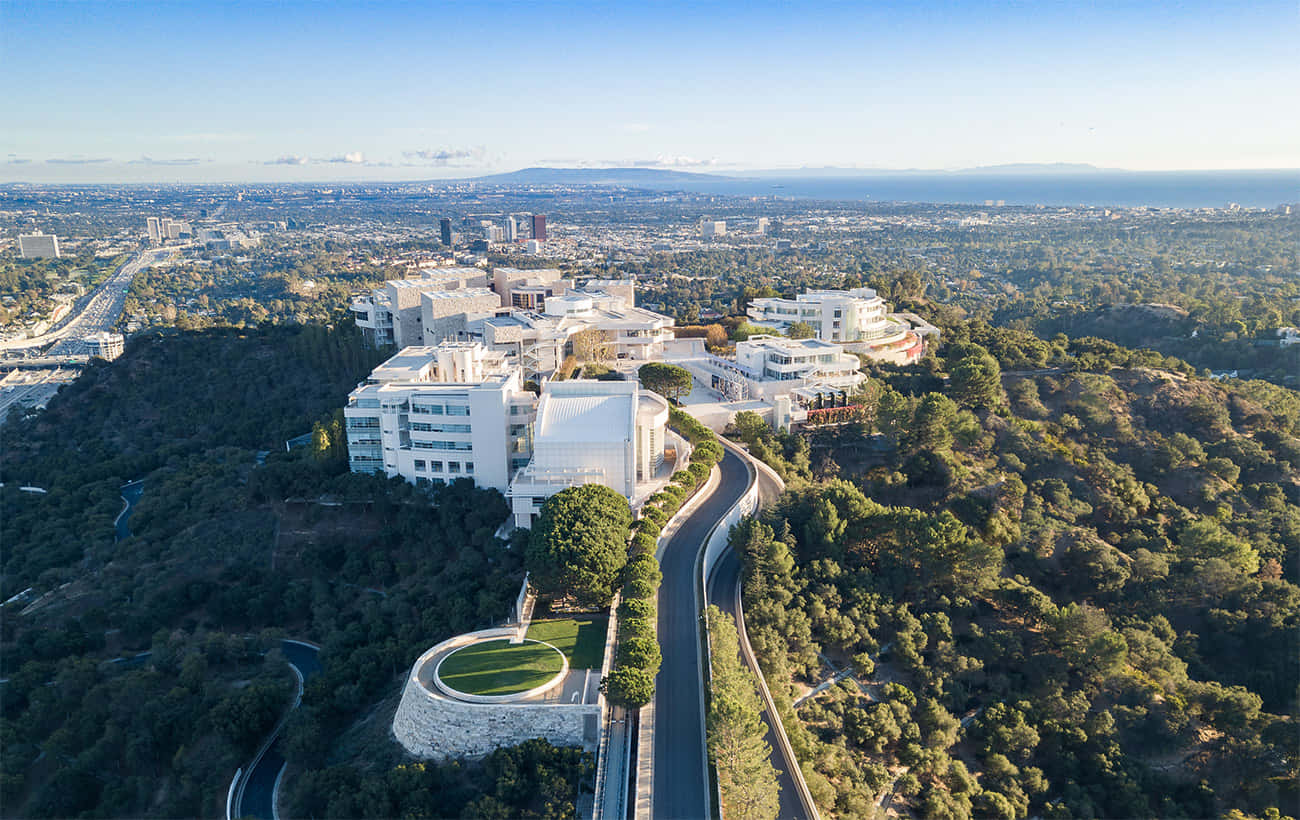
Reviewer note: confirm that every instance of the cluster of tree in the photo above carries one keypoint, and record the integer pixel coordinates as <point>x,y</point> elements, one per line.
<point>225,555</point>
<point>738,749</point>
<point>631,682</point>
<point>1086,557</point>
<point>531,780</point>
<point>282,281</point>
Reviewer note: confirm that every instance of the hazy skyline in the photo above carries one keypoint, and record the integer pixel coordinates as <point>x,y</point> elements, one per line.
<point>289,91</point>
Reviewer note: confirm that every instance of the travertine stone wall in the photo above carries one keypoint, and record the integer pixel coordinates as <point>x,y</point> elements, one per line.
<point>432,725</point>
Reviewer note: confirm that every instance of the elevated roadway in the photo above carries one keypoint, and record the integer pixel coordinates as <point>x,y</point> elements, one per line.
<point>681,774</point>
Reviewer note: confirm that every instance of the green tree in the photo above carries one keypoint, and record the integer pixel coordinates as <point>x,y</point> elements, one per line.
<point>736,734</point>
<point>579,543</point>
<point>668,380</point>
<point>800,330</point>
<point>976,380</point>
<point>629,686</point>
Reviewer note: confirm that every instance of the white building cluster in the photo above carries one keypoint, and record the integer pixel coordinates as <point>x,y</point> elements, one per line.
<point>433,414</point>
<point>858,319</point>
<point>536,317</point>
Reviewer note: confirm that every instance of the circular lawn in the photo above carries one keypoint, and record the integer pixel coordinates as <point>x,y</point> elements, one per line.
<point>499,667</point>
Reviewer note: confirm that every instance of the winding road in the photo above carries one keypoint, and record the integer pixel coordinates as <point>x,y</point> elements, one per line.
<point>257,796</point>
<point>681,781</point>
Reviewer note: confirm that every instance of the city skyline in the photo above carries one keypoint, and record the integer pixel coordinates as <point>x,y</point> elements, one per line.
<point>201,93</point>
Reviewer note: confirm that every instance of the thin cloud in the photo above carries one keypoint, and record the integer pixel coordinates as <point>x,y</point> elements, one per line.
<point>146,160</point>
<point>635,127</point>
<point>350,158</point>
<point>14,159</point>
<point>287,159</point>
<point>77,160</point>
<point>445,157</point>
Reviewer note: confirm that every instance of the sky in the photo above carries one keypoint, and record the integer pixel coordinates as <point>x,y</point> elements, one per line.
<point>286,91</point>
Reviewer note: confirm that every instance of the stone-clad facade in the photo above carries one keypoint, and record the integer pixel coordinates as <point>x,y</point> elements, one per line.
<point>432,725</point>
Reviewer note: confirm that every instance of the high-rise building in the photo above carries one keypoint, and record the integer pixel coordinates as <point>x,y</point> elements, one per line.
<point>155,233</point>
<point>712,228</point>
<point>539,227</point>
<point>512,229</point>
<point>38,246</point>
<point>760,227</point>
<point>444,228</point>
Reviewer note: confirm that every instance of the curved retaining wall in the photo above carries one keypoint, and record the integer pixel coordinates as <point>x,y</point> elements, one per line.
<point>431,725</point>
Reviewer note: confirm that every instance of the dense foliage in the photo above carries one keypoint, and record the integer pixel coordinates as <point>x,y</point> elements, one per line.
<point>234,543</point>
<point>738,750</point>
<point>1086,562</point>
<point>531,780</point>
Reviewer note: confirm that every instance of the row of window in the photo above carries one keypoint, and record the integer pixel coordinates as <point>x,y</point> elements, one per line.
<point>433,427</point>
<point>441,445</point>
<point>440,409</point>
<point>453,467</point>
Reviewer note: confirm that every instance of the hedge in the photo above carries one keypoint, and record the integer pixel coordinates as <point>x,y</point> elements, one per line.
<point>631,682</point>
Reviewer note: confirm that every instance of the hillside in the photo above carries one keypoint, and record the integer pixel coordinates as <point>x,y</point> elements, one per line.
<point>1062,593</point>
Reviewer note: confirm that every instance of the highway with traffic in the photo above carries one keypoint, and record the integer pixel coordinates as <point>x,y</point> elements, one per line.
<point>100,311</point>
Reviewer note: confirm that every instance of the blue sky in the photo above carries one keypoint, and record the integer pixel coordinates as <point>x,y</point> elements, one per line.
<point>296,91</point>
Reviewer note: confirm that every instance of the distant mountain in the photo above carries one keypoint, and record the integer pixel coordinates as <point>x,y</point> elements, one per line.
<point>596,176</point>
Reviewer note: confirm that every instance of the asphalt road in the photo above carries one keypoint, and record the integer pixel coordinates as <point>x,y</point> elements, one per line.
<point>259,791</point>
<point>680,781</point>
<point>723,584</point>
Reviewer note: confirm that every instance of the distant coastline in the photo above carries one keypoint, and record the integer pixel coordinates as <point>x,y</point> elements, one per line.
<point>1047,186</point>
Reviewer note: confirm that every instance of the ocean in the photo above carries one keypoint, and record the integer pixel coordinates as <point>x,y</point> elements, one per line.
<point>1128,189</point>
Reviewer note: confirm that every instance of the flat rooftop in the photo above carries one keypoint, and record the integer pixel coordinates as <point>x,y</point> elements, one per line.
<point>583,419</point>
<point>463,293</point>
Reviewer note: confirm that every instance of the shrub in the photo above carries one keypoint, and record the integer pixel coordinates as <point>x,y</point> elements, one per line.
<point>642,653</point>
<point>643,568</point>
<point>654,514</point>
<point>636,608</point>
<point>642,544</point>
<point>628,687</point>
<point>640,588</point>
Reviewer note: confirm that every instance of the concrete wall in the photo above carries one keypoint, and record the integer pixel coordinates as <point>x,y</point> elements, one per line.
<point>432,726</point>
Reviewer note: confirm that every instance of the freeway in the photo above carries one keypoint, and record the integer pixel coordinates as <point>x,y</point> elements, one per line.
<point>681,782</point>
<point>99,313</point>
<point>257,797</point>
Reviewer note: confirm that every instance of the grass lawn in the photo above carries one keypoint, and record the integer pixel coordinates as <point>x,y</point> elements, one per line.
<point>498,668</point>
<point>582,639</point>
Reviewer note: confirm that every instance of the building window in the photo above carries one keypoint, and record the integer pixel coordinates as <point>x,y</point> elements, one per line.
<point>453,466</point>
<point>419,465</point>
<point>457,410</point>
<point>469,467</point>
<point>436,466</point>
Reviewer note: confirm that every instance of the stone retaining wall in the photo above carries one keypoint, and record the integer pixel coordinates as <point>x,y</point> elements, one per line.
<point>431,725</point>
